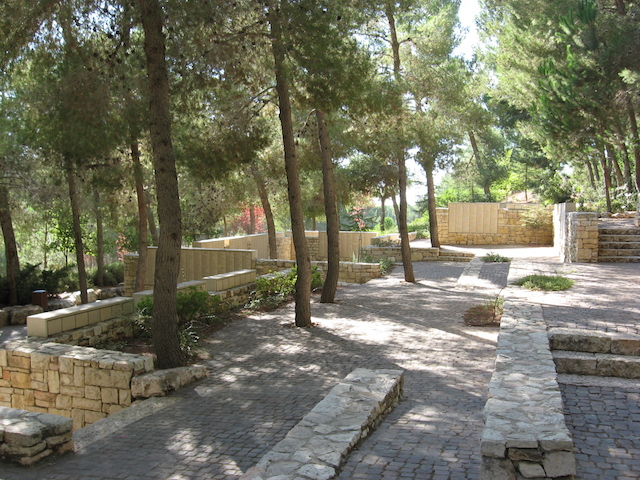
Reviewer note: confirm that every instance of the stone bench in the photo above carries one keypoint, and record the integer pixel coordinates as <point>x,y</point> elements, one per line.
<point>27,437</point>
<point>47,324</point>
<point>525,435</point>
<point>319,443</point>
<point>229,280</point>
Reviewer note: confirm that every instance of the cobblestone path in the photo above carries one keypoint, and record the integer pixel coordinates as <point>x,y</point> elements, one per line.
<point>265,376</point>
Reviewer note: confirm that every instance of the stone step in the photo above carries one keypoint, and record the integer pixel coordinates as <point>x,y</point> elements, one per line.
<point>619,231</point>
<point>620,259</point>
<point>579,340</point>
<point>598,364</point>
<point>619,245</point>
<point>619,252</point>
<point>617,237</point>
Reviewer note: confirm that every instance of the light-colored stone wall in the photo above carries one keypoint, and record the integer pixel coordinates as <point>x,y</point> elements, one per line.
<point>350,272</point>
<point>511,230</point>
<point>582,237</point>
<point>394,254</point>
<point>82,383</point>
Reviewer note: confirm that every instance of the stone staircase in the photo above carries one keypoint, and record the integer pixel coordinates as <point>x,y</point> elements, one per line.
<point>619,244</point>
<point>601,354</point>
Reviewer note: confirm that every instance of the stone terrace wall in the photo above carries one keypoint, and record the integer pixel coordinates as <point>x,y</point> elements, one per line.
<point>510,231</point>
<point>82,383</point>
<point>581,237</point>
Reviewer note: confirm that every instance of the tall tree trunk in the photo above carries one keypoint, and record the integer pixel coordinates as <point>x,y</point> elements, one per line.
<point>613,159</point>
<point>143,237</point>
<point>431,204</point>
<point>382,214</point>
<point>303,283</point>
<point>592,177</point>
<point>396,209</point>
<point>486,186</point>
<point>252,219</point>
<point>77,229</point>
<point>164,326</point>
<point>10,245</point>
<point>330,210</point>
<point>606,174</point>
<point>405,247</point>
<point>151,219</point>
<point>268,213</point>
<point>99,240</point>
<point>622,147</point>
<point>636,150</point>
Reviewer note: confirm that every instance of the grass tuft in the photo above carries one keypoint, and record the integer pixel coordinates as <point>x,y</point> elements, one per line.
<point>547,283</point>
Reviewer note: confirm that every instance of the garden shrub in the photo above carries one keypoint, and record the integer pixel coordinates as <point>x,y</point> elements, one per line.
<point>32,277</point>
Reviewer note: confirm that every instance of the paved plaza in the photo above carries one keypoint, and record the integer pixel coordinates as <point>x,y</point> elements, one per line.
<point>265,375</point>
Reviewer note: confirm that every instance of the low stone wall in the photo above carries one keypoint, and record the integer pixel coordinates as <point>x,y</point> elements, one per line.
<point>82,383</point>
<point>525,435</point>
<point>316,447</point>
<point>394,254</point>
<point>350,272</point>
<point>26,438</point>
<point>384,240</point>
<point>581,237</point>
<point>110,330</point>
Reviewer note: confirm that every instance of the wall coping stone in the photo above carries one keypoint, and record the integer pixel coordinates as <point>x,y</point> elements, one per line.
<point>524,419</point>
<point>316,447</point>
<point>161,382</point>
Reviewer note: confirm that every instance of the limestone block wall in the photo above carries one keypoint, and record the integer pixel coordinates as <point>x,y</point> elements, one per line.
<point>350,272</point>
<point>510,230</point>
<point>81,383</point>
<point>582,237</point>
<point>394,254</point>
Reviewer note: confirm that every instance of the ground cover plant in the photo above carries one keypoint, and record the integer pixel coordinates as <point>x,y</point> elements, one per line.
<point>275,289</point>
<point>495,258</point>
<point>488,314</point>
<point>549,283</point>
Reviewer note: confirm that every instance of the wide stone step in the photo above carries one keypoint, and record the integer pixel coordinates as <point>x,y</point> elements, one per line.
<point>618,237</point>
<point>580,340</point>
<point>620,231</point>
<point>598,364</point>
<point>631,251</point>
<point>619,245</point>
<point>619,259</point>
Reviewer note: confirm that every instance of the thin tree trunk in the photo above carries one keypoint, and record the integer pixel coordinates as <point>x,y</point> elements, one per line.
<point>622,146</point>
<point>396,209</point>
<point>330,210</point>
<point>164,326</point>
<point>268,213</point>
<point>431,204</point>
<point>606,176</point>
<point>592,178</point>
<point>596,170</point>
<point>303,283</point>
<point>401,158</point>
<point>143,237</point>
<point>99,240</point>
<point>382,214</point>
<point>10,245</point>
<point>611,155</point>
<point>151,219</point>
<point>636,150</point>
<point>252,220</point>
<point>77,230</point>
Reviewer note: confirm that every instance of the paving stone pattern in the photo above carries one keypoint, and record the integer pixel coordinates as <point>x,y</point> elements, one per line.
<point>265,376</point>
<point>605,424</point>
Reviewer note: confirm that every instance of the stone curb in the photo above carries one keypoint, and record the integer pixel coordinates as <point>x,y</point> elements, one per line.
<point>316,447</point>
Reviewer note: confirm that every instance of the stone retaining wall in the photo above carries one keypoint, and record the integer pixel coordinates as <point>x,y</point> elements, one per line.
<point>26,438</point>
<point>525,435</point>
<point>82,383</point>
<point>581,238</point>
<point>316,447</point>
<point>350,272</point>
<point>394,254</point>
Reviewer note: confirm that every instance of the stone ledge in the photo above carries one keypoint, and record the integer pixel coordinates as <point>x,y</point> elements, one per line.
<point>577,340</point>
<point>316,447</point>
<point>525,435</point>
<point>161,382</point>
<point>27,437</point>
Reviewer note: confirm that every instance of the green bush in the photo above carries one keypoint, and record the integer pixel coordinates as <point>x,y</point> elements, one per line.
<point>272,290</point>
<point>31,277</point>
<point>549,283</point>
<point>495,257</point>
<point>113,274</point>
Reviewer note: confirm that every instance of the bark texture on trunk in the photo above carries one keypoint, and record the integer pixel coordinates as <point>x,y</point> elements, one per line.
<point>268,213</point>
<point>10,245</point>
<point>165,318</point>
<point>303,283</point>
<point>331,211</point>
<point>99,240</point>
<point>431,204</point>
<point>77,229</point>
<point>143,237</point>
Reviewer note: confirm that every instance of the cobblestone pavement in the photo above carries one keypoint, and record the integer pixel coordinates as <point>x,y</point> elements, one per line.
<point>265,376</point>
